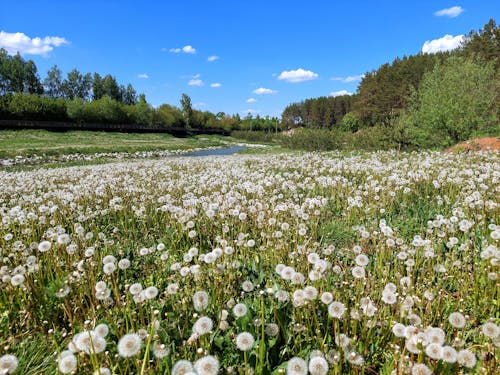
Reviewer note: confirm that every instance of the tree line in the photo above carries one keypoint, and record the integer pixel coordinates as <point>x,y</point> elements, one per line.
<point>92,98</point>
<point>423,100</point>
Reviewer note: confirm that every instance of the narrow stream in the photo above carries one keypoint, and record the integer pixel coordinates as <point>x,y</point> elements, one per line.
<point>216,152</point>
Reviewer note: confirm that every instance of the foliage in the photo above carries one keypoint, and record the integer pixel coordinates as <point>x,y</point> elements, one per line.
<point>322,112</point>
<point>456,100</point>
<point>18,75</point>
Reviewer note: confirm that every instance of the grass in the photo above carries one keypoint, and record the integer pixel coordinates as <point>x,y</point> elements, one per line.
<point>41,142</point>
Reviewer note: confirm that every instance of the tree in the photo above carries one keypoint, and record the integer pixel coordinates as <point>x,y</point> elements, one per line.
<point>53,83</point>
<point>18,75</point>
<point>129,95</point>
<point>187,110</point>
<point>484,43</point>
<point>455,101</point>
<point>97,87</point>
<point>111,88</point>
<point>77,85</point>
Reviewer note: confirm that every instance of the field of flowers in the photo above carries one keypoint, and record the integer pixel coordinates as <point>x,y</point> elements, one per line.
<point>326,263</point>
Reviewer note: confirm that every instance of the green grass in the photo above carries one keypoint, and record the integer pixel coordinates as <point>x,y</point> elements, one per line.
<point>41,142</point>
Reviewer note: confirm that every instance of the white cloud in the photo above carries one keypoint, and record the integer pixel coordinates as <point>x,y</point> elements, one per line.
<point>213,58</point>
<point>299,75</point>
<point>349,79</point>
<point>195,82</point>
<point>251,100</point>
<point>450,12</point>
<point>263,91</point>
<point>186,49</point>
<point>340,93</point>
<point>142,75</point>
<point>20,42</point>
<point>199,104</point>
<point>446,43</point>
<point>216,85</point>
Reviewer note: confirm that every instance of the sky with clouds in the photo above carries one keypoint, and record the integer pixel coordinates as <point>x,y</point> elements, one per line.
<point>235,56</point>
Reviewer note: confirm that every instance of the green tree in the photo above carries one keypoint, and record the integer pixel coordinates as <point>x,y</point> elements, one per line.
<point>53,83</point>
<point>187,110</point>
<point>455,101</point>
<point>129,95</point>
<point>111,88</point>
<point>97,87</point>
<point>77,85</point>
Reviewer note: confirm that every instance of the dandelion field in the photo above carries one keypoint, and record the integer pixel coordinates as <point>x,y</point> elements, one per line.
<point>320,263</point>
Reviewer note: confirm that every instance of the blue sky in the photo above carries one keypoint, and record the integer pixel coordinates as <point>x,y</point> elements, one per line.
<point>234,56</point>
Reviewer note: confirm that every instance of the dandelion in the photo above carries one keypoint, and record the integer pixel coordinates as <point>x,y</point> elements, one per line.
<point>200,300</point>
<point>67,364</point>
<point>129,345</point>
<point>310,293</point>
<point>172,288</point>
<point>182,367</point>
<point>8,364</point>
<point>17,280</point>
<point>490,329</point>
<point>150,292</point>
<point>109,268</point>
<point>434,351</point>
<point>336,309</point>
<point>388,297</point>
<point>240,310</point>
<point>247,286</point>
<point>102,371</point>
<point>208,365</point>
<point>399,330</point>
<point>358,272</point>
<point>244,341</point>
<point>160,350</point>
<point>420,369</point>
<point>296,366</point>
<point>327,298</point>
<point>124,264</point>
<point>457,320</point>
<point>272,329</point>
<point>466,358</point>
<point>101,330</point>
<point>44,246</point>
<point>203,326</point>
<point>362,260</point>
<point>318,366</point>
<point>449,354</point>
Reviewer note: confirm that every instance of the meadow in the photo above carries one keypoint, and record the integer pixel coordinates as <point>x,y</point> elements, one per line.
<point>320,263</point>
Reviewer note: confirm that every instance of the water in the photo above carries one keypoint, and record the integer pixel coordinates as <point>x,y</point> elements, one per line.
<point>216,152</point>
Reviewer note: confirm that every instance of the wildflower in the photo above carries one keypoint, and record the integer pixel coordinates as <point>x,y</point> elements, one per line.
<point>490,329</point>
<point>124,263</point>
<point>108,259</point>
<point>240,310</point>
<point>435,335</point>
<point>182,367</point>
<point>129,345</point>
<point>8,364</point>
<point>449,354</point>
<point>247,286</point>
<point>336,309</point>
<point>109,268</point>
<point>102,371</point>
<point>203,325</point>
<point>172,288</point>
<point>200,300</point>
<point>358,272</point>
<point>457,320</point>
<point>310,293</point>
<point>244,341</point>
<point>17,280</point>
<point>388,297</point>
<point>101,330</point>
<point>296,366</point>
<point>67,363</point>
<point>318,366</point>
<point>434,351</point>
<point>160,350</point>
<point>150,292</point>
<point>362,260</point>
<point>326,298</point>
<point>399,330</point>
<point>466,358</point>
<point>208,365</point>
<point>272,329</point>
<point>420,369</point>
<point>44,246</point>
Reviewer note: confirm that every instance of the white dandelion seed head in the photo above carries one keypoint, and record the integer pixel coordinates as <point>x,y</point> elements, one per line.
<point>208,365</point>
<point>296,366</point>
<point>457,320</point>
<point>67,364</point>
<point>245,341</point>
<point>240,310</point>
<point>8,364</point>
<point>182,367</point>
<point>318,366</point>
<point>200,300</point>
<point>203,325</point>
<point>466,358</point>
<point>129,345</point>
<point>336,309</point>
